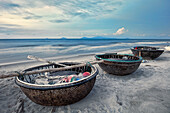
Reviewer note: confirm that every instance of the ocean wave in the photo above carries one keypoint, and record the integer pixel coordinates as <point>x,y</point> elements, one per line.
<point>64,49</point>
<point>26,46</point>
<point>67,49</point>
<point>120,45</point>
<point>28,49</point>
<point>65,45</point>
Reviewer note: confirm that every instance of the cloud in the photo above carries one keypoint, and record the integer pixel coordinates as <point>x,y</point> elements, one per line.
<point>58,21</point>
<point>9,25</point>
<point>33,17</point>
<point>41,14</point>
<point>65,9</point>
<point>120,31</point>
<point>5,5</point>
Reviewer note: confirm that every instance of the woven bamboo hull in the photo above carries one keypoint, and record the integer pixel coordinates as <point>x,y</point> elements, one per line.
<point>148,54</point>
<point>59,97</point>
<point>61,94</point>
<point>119,67</point>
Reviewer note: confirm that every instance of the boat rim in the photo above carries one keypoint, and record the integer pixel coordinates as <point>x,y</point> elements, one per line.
<point>147,50</point>
<point>139,60</point>
<point>57,86</point>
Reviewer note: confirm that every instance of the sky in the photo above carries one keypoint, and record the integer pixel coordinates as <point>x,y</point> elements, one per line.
<point>84,18</point>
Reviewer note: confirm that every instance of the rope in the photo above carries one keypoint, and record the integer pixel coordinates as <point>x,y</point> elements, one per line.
<point>21,76</point>
<point>90,64</point>
<point>87,65</point>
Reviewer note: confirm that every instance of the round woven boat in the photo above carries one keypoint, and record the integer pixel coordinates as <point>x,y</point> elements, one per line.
<point>146,52</point>
<point>57,94</point>
<point>119,64</point>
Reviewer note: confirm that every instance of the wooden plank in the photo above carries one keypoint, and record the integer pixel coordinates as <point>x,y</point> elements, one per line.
<point>48,70</point>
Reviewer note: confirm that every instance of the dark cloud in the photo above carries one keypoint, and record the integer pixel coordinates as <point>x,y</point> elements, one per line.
<point>33,17</point>
<point>10,25</point>
<point>110,10</point>
<point>81,14</point>
<point>8,5</point>
<point>12,5</point>
<point>58,21</point>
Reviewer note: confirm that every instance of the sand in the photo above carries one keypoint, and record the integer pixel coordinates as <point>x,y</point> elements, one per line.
<point>145,91</point>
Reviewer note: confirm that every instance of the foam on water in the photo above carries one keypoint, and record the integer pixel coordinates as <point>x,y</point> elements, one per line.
<point>17,50</point>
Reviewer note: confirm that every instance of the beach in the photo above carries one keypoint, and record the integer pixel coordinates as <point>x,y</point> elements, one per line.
<point>84,56</point>
<point>146,90</point>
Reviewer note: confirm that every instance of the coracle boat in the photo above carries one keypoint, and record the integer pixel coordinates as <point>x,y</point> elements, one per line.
<point>119,64</point>
<point>146,52</point>
<point>57,94</point>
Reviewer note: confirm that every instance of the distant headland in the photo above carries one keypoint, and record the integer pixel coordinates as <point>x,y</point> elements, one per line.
<point>91,38</point>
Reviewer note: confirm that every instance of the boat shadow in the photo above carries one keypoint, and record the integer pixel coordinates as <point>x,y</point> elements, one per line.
<point>162,58</point>
<point>142,72</point>
<point>167,52</point>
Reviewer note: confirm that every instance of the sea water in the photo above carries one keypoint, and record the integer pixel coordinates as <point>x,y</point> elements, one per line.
<point>16,50</point>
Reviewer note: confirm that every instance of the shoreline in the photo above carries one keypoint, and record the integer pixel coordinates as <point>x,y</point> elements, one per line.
<point>60,57</point>
<point>18,54</point>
